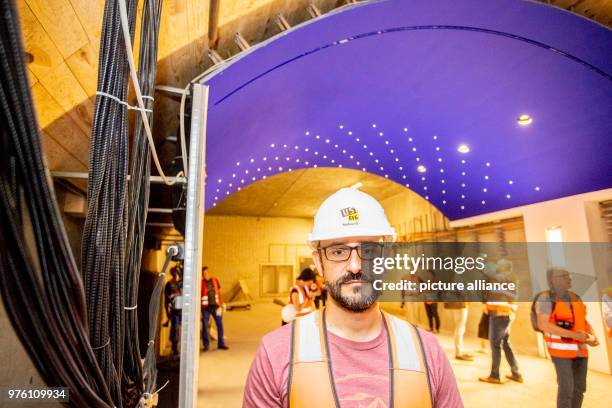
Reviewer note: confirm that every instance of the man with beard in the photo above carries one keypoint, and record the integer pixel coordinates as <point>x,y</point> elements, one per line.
<point>351,354</point>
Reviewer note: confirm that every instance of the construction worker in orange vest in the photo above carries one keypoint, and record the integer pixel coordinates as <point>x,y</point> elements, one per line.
<point>350,350</point>
<point>561,316</point>
<point>606,302</point>
<point>211,305</point>
<point>301,297</point>
<point>501,309</point>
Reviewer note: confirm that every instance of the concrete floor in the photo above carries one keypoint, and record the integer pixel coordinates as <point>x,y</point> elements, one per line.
<point>223,373</point>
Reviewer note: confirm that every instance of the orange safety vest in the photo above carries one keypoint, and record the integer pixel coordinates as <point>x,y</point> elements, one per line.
<point>310,366</point>
<point>304,296</point>
<point>576,313</point>
<point>501,306</point>
<point>218,298</point>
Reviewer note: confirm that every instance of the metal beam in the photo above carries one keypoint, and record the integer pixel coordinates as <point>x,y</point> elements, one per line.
<point>282,22</point>
<point>84,176</point>
<point>241,42</point>
<point>194,231</point>
<point>171,90</point>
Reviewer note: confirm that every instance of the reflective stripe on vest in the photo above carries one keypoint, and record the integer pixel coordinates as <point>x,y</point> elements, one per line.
<point>310,368</point>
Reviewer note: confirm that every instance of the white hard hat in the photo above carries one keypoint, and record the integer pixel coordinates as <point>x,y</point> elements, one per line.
<point>350,212</point>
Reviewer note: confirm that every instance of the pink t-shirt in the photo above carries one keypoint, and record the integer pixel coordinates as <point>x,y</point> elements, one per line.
<point>361,372</point>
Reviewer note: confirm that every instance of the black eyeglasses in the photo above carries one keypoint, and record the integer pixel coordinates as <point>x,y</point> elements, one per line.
<point>342,253</point>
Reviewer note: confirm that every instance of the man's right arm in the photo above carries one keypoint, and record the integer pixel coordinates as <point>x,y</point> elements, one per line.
<point>261,390</point>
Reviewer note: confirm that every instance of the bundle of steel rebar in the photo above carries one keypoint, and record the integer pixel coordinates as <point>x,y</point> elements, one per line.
<point>105,230</point>
<point>138,202</point>
<point>40,284</point>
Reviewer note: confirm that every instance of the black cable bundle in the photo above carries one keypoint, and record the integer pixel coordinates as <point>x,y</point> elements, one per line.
<point>105,230</point>
<point>138,203</point>
<point>39,280</point>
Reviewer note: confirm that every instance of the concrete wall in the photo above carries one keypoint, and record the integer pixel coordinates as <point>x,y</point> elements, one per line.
<point>579,220</point>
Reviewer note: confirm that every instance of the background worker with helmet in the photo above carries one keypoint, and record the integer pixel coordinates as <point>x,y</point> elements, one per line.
<point>561,317</point>
<point>350,353</point>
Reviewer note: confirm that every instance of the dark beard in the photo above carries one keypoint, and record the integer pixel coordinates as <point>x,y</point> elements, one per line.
<point>359,303</point>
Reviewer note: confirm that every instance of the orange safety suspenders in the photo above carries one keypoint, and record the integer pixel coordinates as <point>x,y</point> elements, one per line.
<point>310,366</point>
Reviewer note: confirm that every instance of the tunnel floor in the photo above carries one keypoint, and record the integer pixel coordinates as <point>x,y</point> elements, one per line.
<point>222,374</point>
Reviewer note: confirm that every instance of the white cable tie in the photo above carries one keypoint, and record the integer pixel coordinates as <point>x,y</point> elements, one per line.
<point>148,97</point>
<point>114,98</point>
<point>162,387</point>
<point>131,307</point>
<point>150,342</point>
<point>102,346</point>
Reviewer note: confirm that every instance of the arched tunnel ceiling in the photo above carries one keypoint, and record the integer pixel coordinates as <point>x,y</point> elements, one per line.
<point>299,193</point>
<point>391,85</point>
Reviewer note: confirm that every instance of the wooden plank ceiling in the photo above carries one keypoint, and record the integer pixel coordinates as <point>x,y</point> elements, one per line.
<point>62,41</point>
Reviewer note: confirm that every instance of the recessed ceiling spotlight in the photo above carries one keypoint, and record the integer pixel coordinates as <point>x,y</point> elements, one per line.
<point>219,180</point>
<point>307,134</point>
<point>421,169</point>
<point>374,125</point>
<point>537,189</point>
<point>463,207</point>
<point>488,164</point>
<point>483,202</point>
<point>341,126</point>
<point>510,182</point>
<point>410,139</point>
<point>405,129</point>
<point>350,133</point>
<point>414,149</point>
<point>484,190</point>
<point>380,133</point>
<point>435,137</point>
<point>443,201</point>
<point>524,120</point>
<point>508,195</point>
<point>463,148</point>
